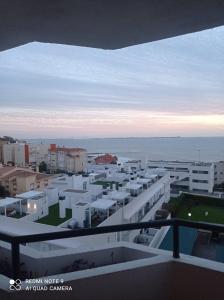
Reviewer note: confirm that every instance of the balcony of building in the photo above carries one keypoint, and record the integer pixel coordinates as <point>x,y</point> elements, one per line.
<point>119,270</point>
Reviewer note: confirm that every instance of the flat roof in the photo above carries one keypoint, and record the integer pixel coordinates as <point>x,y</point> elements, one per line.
<point>152,176</point>
<point>133,186</point>
<point>143,180</point>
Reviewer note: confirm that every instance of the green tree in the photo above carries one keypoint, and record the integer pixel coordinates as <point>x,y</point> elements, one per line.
<point>42,167</point>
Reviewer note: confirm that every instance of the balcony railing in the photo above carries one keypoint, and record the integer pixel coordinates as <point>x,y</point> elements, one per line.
<point>15,241</point>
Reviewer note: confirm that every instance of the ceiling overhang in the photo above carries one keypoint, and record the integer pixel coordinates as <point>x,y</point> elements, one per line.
<point>102,23</point>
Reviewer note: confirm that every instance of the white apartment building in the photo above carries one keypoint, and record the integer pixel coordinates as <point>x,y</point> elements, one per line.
<point>132,165</point>
<point>219,172</point>
<point>116,206</point>
<point>38,153</point>
<point>188,175</point>
<point>16,153</point>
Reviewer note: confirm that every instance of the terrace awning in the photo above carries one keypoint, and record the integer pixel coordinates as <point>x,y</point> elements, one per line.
<point>133,186</point>
<point>103,204</point>
<point>119,196</point>
<point>9,201</point>
<point>30,194</point>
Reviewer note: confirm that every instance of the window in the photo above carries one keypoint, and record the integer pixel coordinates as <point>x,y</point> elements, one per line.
<point>182,169</point>
<point>199,181</point>
<point>199,172</point>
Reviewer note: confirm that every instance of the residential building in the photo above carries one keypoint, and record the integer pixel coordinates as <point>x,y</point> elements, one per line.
<point>219,172</point>
<point>135,200</point>
<point>133,165</point>
<point>72,160</point>
<point>2,142</point>
<point>38,153</point>
<point>188,175</point>
<point>19,180</point>
<point>16,153</point>
<point>106,159</point>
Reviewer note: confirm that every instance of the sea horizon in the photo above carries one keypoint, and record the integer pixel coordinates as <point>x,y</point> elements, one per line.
<point>145,148</point>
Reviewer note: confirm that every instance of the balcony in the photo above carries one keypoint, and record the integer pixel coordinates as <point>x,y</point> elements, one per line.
<point>124,270</point>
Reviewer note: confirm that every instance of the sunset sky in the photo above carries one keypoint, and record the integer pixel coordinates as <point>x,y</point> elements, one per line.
<point>165,88</point>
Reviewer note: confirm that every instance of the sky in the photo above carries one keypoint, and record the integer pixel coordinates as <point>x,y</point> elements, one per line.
<point>172,87</point>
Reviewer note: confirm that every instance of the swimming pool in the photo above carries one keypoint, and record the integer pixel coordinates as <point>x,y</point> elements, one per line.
<point>187,238</point>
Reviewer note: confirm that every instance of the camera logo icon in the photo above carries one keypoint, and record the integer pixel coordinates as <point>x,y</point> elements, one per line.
<point>15,285</point>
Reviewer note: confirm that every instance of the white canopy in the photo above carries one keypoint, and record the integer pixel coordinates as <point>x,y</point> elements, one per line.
<point>133,186</point>
<point>143,180</point>
<point>103,204</point>
<point>8,201</point>
<point>29,194</point>
<point>119,195</point>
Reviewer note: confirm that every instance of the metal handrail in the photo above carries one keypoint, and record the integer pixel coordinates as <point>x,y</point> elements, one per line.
<point>175,223</point>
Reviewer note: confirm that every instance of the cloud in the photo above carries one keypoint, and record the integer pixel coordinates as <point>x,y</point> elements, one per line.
<point>169,82</point>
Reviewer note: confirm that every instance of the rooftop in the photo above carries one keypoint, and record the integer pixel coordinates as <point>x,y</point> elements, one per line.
<point>5,170</point>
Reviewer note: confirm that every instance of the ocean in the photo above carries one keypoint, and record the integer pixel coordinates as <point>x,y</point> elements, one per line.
<point>173,148</point>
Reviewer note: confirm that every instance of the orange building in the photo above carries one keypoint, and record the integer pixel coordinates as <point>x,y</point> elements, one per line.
<point>106,159</point>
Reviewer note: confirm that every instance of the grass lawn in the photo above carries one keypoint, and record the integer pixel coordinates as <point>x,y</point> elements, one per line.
<point>53,216</point>
<point>215,214</point>
<point>102,182</point>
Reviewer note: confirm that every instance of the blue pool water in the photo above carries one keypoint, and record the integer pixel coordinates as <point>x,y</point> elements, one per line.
<point>220,253</point>
<point>187,238</point>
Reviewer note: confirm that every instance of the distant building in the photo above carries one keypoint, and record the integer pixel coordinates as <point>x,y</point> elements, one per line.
<point>16,153</point>
<point>188,175</point>
<point>2,143</point>
<point>106,159</point>
<point>22,154</point>
<point>38,153</point>
<point>20,180</point>
<point>73,160</point>
<point>219,172</point>
<point>133,165</point>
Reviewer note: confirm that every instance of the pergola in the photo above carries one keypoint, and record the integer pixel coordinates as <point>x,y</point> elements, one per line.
<point>134,188</point>
<point>103,204</point>
<point>9,201</point>
<point>120,196</point>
